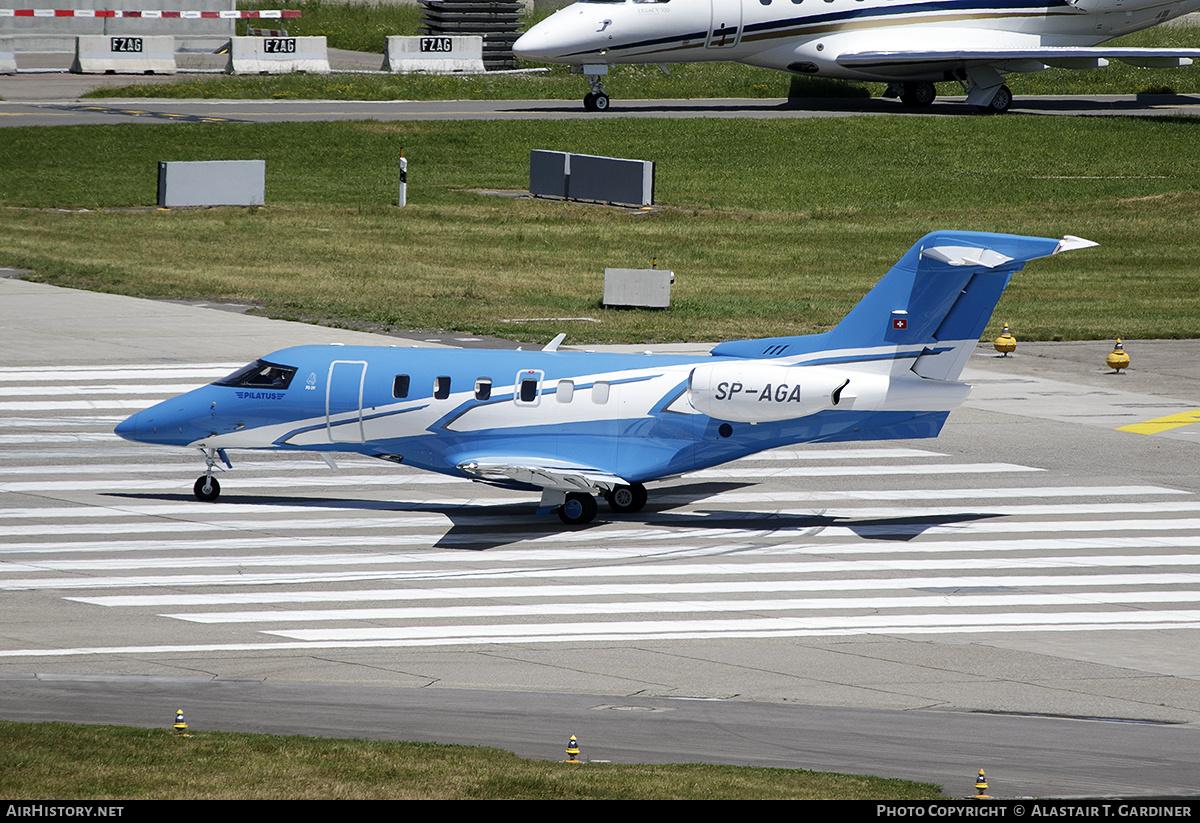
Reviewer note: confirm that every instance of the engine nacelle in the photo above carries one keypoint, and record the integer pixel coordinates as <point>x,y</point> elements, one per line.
<point>751,391</point>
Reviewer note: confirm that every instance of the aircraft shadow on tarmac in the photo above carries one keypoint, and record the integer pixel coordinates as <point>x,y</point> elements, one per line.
<point>479,528</point>
<point>879,105</point>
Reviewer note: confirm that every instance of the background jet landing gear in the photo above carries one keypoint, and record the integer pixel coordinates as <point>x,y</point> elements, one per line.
<point>627,498</point>
<point>578,509</point>
<point>596,99</point>
<point>1000,103</point>
<point>918,94</point>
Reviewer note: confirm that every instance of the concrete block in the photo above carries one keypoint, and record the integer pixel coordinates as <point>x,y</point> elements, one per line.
<point>278,55</point>
<point>124,54</point>
<point>438,54</point>
<point>548,173</point>
<point>638,288</point>
<point>212,183</point>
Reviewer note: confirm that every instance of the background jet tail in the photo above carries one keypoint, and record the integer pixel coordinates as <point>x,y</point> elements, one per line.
<point>932,305</point>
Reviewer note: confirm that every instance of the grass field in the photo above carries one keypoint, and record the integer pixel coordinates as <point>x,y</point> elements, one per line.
<point>772,227</point>
<point>63,761</point>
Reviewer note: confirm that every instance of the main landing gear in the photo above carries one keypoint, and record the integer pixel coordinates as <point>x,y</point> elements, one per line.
<point>580,508</point>
<point>918,95</point>
<point>1000,102</point>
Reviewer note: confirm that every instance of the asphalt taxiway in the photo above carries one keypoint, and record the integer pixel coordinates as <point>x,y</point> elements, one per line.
<point>1020,594</point>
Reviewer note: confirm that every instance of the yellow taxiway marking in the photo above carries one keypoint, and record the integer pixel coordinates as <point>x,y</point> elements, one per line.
<point>1162,424</point>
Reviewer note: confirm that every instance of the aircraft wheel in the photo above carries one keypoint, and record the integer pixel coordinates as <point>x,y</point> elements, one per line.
<point>596,101</point>
<point>918,94</point>
<point>578,509</point>
<point>627,498</point>
<point>1000,103</point>
<point>207,488</point>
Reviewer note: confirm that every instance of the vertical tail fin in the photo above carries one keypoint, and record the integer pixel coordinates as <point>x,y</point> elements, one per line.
<point>932,305</point>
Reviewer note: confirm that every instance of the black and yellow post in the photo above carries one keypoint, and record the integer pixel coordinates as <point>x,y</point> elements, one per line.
<point>572,750</point>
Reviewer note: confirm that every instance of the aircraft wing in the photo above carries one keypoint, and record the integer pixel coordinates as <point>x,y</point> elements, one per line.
<point>553,475</point>
<point>1066,57</point>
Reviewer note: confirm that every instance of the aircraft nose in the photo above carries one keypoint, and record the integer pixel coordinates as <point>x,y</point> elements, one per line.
<point>533,44</point>
<point>129,428</point>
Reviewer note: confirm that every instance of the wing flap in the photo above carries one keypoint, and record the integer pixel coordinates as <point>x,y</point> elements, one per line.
<point>564,477</point>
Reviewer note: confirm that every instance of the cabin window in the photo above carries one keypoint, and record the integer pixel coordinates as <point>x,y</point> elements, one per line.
<point>600,392</point>
<point>483,388</point>
<point>441,387</point>
<point>260,375</point>
<point>528,386</point>
<point>400,387</point>
<point>566,391</point>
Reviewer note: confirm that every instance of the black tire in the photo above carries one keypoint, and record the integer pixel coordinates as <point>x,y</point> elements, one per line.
<point>209,494</point>
<point>589,102</point>
<point>918,94</point>
<point>578,509</point>
<point>627,498</point>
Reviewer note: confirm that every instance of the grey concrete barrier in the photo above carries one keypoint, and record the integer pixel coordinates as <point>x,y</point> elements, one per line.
<point>278,55</point>
<point>124,54</point>
<point>438,54</point>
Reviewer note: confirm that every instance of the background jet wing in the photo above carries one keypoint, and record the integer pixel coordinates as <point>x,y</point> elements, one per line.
<point>554,475</point>
<point>1067,57</point>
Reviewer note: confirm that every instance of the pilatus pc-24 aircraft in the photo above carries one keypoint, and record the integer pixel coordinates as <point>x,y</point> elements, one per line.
<point>578,425</point>
<point>909,44</point>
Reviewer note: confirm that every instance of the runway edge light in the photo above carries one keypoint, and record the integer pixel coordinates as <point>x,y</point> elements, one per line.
<point>180,724</point>
<point>981,787</point>
<point>1119,359</point>
<point>1005,343</point>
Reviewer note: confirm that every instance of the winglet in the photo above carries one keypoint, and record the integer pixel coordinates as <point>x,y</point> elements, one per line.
<point>553,344</point>
<point>1070,242</point>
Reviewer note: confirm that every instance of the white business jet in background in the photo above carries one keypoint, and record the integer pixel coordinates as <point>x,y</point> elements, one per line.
<point>909,44</point>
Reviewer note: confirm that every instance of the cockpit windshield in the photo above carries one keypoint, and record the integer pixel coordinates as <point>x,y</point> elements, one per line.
<point>260,375</point>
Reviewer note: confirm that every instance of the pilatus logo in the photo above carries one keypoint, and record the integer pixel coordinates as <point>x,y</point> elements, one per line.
<point>260,395</point>
<point>311,383</point>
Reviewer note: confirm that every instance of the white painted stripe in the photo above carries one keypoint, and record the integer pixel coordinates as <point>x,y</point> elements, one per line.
<point>80,405</point>
<point>194,459</point>
<point>65,437</point>
<point>141,388</point>
<point>917,495</point>
<point>503,496</point>
<point>841,454</point>
<point>329,480</point>
<point>611,636</point>
<point>916,524</point>
<point>616,572</point>
<point>133,372</point>
<point>605,545</point>
<point>700,628</point>
<point>630,607</point>
<point>101,421</point>
<point>951,585</point>
<point>764,473</point>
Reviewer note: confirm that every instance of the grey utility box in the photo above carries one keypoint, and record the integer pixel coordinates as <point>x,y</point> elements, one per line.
<point>212,183</point>
<point>638,288</point>
<point>588,177</point>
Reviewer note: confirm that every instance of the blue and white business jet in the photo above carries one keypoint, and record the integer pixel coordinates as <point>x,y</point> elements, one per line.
<point>577,425</point>
<point>909,44</point>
